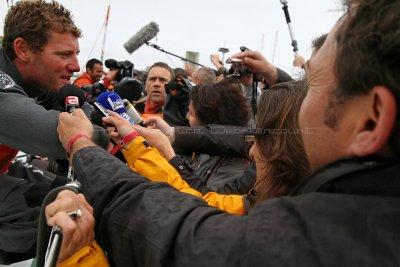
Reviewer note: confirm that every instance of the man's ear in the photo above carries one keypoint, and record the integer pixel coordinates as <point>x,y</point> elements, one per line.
<point>374,130</point>
<point>22,49</point>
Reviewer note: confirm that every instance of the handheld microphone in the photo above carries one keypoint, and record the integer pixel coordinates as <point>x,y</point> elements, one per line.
<point>70,97</point>
<point>133,113</point>
<point>144,35</point>
<point>112,101</point>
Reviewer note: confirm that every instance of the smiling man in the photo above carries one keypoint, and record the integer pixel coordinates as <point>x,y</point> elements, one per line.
<point>38,57</point>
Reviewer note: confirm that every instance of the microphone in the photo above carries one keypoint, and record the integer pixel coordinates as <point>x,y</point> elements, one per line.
<point>144,35</point>
<point>112,101</point>
<point>289,23</point>
<point>70,97</point>
<point>133,113</point>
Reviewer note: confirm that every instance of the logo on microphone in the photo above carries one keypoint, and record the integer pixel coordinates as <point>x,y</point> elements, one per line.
<point>72,101</point>
<point>116,103</point>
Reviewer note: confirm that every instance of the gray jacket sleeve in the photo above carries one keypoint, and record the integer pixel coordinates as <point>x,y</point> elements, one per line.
<point>28,126</point>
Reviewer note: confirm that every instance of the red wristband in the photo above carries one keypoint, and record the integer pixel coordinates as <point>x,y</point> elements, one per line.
<point>124,141</point>
<point>73,139</point>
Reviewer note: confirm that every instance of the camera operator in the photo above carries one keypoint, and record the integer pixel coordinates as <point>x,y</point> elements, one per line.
<point>90,81</point>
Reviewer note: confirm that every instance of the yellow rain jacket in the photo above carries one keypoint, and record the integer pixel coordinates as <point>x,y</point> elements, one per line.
<point>148,162</point>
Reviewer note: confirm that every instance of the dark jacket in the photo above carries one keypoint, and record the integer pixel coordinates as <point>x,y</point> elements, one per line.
<point>28,119</point>
<point>219,141</point>
<point>240,185</point>
<point>143,223</point>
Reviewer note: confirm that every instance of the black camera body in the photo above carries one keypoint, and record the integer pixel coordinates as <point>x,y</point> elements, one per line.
<point>177,85</point>
<point>237,68</point>
<point>125,68</point>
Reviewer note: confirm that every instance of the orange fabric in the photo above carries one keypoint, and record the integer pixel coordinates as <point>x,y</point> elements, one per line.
<point>7,154</point>
<point>83,80</point>
<point>87,256</point>
<point>149,108</point>
<point>146,116</point>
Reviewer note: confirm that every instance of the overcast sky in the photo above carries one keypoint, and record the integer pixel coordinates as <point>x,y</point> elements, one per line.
<point>200,26</point>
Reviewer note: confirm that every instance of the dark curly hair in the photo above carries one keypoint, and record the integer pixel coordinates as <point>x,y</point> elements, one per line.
<point>368,53</point>
<point>33,21</point>
<point>220,103</point>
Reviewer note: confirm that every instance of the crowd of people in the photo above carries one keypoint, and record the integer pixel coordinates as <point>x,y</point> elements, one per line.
<point>242,166</point>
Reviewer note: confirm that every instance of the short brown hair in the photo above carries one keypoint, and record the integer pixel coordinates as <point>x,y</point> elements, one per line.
<point>165,66</point>
<point>368,52</point>
<point>33,21</point>
<point>280,144</point>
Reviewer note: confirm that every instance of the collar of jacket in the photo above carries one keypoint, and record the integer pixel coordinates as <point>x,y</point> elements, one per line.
<point>7,65</point>
<point>358,176</point>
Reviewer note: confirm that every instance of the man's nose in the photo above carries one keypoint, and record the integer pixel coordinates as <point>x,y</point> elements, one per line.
<point>73,65</point>
<point>157,82</point>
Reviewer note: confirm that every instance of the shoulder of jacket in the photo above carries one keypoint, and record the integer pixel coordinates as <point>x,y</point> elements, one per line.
<point>6,81</point>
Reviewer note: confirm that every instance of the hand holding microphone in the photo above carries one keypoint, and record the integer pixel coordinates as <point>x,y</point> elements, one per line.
<point>77,230</point>
<point>72,125</point>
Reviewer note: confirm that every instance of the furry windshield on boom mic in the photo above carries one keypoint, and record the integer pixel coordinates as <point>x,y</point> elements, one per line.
<point>144,35</point>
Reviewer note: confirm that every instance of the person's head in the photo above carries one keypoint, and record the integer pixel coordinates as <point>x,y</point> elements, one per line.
<point>94,68</point>
<point>203,75</point>
<point>278,149</point>
<point>317,43</point>
<point>159,74</point>
<point>217,103</point>
<point>351,107</point>
<point>42,40</point>
<point>179,72</point>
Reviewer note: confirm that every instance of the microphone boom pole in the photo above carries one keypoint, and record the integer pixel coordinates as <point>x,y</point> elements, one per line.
<point>169,53</point>
<point>289,23</point>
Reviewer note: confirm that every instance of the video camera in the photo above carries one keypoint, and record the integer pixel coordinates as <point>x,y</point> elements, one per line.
<point>177,85</point>
<point>125,68</point>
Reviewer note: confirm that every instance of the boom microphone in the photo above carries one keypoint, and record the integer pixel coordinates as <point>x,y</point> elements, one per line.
<point>70,97</point>
<point>144,35</point>
<point>112,101</point>
<point>289,23</point>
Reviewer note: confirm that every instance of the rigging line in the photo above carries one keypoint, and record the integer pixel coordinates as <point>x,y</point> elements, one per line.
<point>95,42</point>
<point>172,62</point>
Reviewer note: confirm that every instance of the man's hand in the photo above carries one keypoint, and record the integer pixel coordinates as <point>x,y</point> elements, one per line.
<point>72,124</point>
<point>118,127</point>
<point>299,61</point>
<point>77,232</point>
<point>158,140</point>
<point>160,124</point>
<point>216,61</point>
<point>258,64</point>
